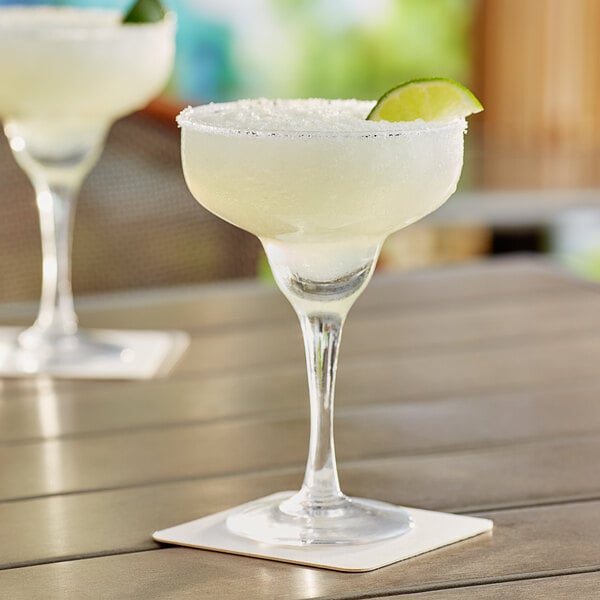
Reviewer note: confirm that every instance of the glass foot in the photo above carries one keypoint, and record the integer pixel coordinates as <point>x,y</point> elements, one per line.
<point>40,349</point>
<point>91,354</point>
<point>293,522</point>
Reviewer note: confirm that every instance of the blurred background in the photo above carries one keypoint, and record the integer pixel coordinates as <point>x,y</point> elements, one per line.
<point>531,177</point>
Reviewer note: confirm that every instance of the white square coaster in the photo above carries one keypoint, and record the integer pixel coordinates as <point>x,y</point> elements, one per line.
<point>431,530</point>
<point>145,354</point>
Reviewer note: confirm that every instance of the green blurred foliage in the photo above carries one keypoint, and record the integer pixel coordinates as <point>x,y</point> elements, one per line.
<point>586,263</point>
<point>340,54</point>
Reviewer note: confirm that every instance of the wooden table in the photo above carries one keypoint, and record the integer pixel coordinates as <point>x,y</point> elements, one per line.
<point>473,390</point>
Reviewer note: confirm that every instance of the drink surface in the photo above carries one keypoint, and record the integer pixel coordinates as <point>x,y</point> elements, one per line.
<point>312,171</point>
<point>64,70</point>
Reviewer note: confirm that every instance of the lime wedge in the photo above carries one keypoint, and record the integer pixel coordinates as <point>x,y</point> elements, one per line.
<point>435,99</point>
<point>145,11</point>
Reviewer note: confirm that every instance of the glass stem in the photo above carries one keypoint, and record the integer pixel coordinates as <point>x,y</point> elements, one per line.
<point>56,161</point>
<point>321,297</point>
<point>322,334</point>
<point>56,206</point>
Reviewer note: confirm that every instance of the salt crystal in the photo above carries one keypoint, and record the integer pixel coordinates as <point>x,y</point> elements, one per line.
<point>296,117</point>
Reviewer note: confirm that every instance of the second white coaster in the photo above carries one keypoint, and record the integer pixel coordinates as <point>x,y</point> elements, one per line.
<point>104,354</point>
<point>432,530</point>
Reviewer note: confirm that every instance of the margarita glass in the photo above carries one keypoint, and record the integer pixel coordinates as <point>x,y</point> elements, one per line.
<point>65,75</point>
<point>322,188</point>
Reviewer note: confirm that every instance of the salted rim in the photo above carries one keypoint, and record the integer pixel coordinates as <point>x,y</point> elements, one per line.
<point>111,27</point>
<point>189,118</point>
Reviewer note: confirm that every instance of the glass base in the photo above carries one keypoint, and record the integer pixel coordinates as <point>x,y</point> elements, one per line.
<point>91,354</point>
<point>294,522</point>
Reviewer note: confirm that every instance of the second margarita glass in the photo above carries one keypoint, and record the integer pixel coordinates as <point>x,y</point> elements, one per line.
<point>65,75</point>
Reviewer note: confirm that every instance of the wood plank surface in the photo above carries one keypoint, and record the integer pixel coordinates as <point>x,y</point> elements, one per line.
<point>525,543</point>
<point>58,527</point>
<point>583,586</point>
<point>471,390</point>
<point>488,369</point>
<point>137,457</point>
<point>408,331</point>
